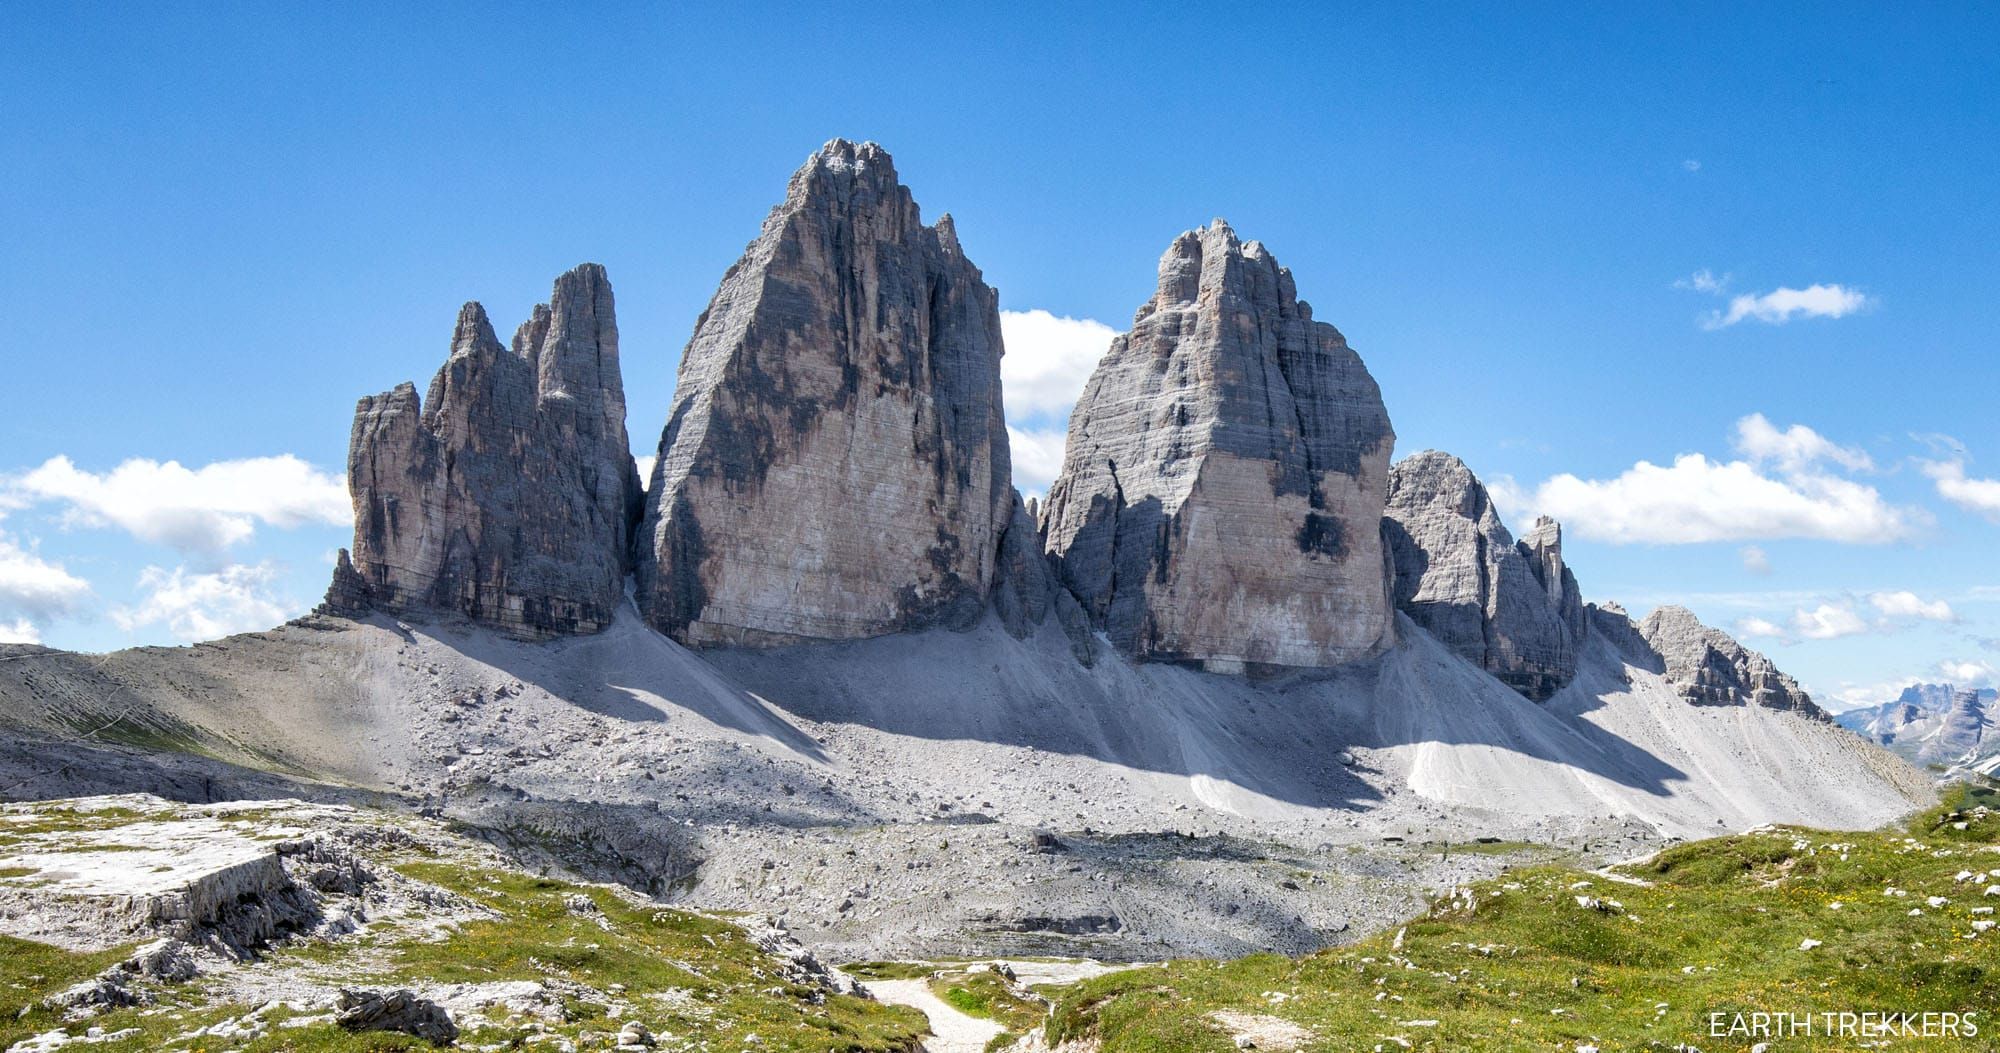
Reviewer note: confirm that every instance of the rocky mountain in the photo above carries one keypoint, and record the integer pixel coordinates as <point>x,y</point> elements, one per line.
<point>991,725</point>
<point>835,465</point>
<point>1221,495</point>
<point>1511,608</point>
<point>1932,724</point>
<point>1709,668</point>
<point>508,493</point>
<point>1964,732</point>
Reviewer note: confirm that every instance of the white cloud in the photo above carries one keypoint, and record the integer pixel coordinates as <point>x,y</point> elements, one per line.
<point>1781,305</point>
<point>22,631</point>
<point>1038,457</point>
<point>1048,360</point>
<point>1698,500</point>
<point>646,469</point>
<point>236,599</point>
<point>1796,447</point>
<point>1968,673</point>
<point>1756,627</point>
<point>204,510</point>
<point>1703,280</point>
<point>1755,560</point>
<point>1690,165</point>
<point>1975,495</point>
<point>35,587</point>
<point>1780,489</point>
<point>1828,622</point>
<point>1906,604</point>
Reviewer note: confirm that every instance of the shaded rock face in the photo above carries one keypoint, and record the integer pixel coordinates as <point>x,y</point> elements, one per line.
<point>1712,669</point>
<point>835,465</point>
<point>508,493</point>
<point>1964,732</point>
<point>1221,494</point>
<point>1512,609</point>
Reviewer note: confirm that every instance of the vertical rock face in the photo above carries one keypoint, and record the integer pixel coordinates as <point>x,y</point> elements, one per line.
<point>1221,494</point>
<point>1962,734</point>
<point>1511,609</point>
<point>835,465</point>
<point>508,493</point>
<point>1711,669</point>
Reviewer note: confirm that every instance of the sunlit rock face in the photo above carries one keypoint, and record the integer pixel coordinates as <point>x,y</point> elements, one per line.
<point>1222,490</point>
<point>1511,608</point>
<point>835,465</point>
<point>508,493</point>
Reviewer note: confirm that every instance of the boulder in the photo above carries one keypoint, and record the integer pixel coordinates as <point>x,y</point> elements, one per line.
<point>1221,493</point>
<point>399,1010</point>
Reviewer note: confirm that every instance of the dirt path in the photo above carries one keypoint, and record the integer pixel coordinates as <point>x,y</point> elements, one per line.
<point>954,1032</point>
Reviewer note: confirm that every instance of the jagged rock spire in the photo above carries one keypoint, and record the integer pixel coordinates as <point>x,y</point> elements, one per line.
<point>836,464</point>
<point>1222,489</point>
<point>1511,609</point>
<point>508,493</point>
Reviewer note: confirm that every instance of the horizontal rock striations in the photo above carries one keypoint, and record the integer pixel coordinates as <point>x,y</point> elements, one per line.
<point>508,493</point>
<point>836,464</point>
<point>1512,609</point>
<point>1221,495</point>
<point>1712,669</point>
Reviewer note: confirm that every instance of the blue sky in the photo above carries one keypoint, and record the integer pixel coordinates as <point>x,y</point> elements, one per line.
<point>226,223</point>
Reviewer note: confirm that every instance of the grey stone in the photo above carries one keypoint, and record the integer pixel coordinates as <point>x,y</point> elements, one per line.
<point>399,1010</point>
<point>1963,733</point>
<point>836,463</point>
<point>1712,669</point>
<point>1511,609</point>
<point>1221,494</point>
<point>508,493</point>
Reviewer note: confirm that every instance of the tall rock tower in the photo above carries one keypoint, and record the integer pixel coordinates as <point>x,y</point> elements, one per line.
<point>1221,496</point>
<point>508,493</point>
<point>1511,608</point>
<point>835,465</point>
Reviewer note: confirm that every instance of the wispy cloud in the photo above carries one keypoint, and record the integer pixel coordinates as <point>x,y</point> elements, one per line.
<point>1783,304</point>
<point>1755,560</point>
<point>1974,495</point>
<point>1904,604</point>
<point>201,510</point>
<point>1702,281</point>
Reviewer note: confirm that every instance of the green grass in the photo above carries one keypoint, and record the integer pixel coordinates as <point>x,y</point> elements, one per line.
<point>1520,965</point>
<point>696,978</point>
<point>988,996</point>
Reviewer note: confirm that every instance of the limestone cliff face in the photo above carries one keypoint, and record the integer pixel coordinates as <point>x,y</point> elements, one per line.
<point>508,493</point>
<point>1963,733</point>
<point>1221,494</point>
<point>1510,608</point>
<point>1712,669</point>
<point>835,465</point>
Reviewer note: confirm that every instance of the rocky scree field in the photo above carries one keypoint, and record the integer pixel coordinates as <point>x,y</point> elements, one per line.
<point>1632,957</point>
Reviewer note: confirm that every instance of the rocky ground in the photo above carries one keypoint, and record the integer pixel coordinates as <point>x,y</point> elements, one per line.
<point>946,793</point>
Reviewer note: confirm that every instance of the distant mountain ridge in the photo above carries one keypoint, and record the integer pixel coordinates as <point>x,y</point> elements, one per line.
<point>1933,724</point>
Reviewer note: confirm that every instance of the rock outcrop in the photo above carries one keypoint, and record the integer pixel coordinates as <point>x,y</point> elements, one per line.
<point>1511,609</point>
<point>1221,494</point>
<point>508,493</point>
<point>836,464</point>
<point>1712,669</point>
